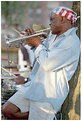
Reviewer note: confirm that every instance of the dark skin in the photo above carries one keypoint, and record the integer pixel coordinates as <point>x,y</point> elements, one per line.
<point>58,26</point>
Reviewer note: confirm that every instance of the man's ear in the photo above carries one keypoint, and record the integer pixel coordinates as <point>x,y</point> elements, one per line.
<point>63,19</point>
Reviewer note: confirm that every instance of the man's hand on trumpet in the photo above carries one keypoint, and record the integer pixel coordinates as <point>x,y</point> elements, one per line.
<point>33,41</point>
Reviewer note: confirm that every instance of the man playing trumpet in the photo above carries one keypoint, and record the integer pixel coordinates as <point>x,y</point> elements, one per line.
<point>56,60</point>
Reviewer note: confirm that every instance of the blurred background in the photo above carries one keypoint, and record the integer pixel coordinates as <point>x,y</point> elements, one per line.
<point>23,14</point>
<point>26,13</point>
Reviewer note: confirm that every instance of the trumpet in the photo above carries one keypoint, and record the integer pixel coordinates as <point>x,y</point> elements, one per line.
<point>23,38</point>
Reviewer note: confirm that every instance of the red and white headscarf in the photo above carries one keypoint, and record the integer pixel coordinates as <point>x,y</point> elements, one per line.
<point>68,13</point>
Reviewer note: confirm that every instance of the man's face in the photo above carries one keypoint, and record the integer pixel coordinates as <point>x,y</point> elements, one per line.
<point>55,23</point>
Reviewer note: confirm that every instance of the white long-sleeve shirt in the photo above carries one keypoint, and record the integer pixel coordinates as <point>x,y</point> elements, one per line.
<point>56,62</point>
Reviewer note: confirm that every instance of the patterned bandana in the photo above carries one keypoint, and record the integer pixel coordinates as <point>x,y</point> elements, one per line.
<point>68,13</point>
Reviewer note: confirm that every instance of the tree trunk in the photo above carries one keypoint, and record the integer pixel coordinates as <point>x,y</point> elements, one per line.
<point>71,106</point>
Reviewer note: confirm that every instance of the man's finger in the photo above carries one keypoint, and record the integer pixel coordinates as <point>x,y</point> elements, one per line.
<point>29,31</point>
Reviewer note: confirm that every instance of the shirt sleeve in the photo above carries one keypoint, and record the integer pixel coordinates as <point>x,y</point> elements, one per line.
<point>56,58</point>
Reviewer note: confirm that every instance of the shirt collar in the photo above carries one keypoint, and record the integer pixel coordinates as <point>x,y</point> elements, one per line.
<point>72,30</point>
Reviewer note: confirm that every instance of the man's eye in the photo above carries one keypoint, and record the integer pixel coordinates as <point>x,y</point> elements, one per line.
<point>52,19</point>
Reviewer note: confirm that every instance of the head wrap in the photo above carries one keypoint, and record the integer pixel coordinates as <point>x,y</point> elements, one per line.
<point>68,13</point>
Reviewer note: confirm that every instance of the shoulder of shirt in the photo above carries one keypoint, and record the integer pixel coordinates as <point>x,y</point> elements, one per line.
<point>70,31</point>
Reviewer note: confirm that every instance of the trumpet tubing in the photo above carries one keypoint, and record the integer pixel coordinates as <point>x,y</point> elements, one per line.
<point>24,37</point>
<point>43,30</point>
